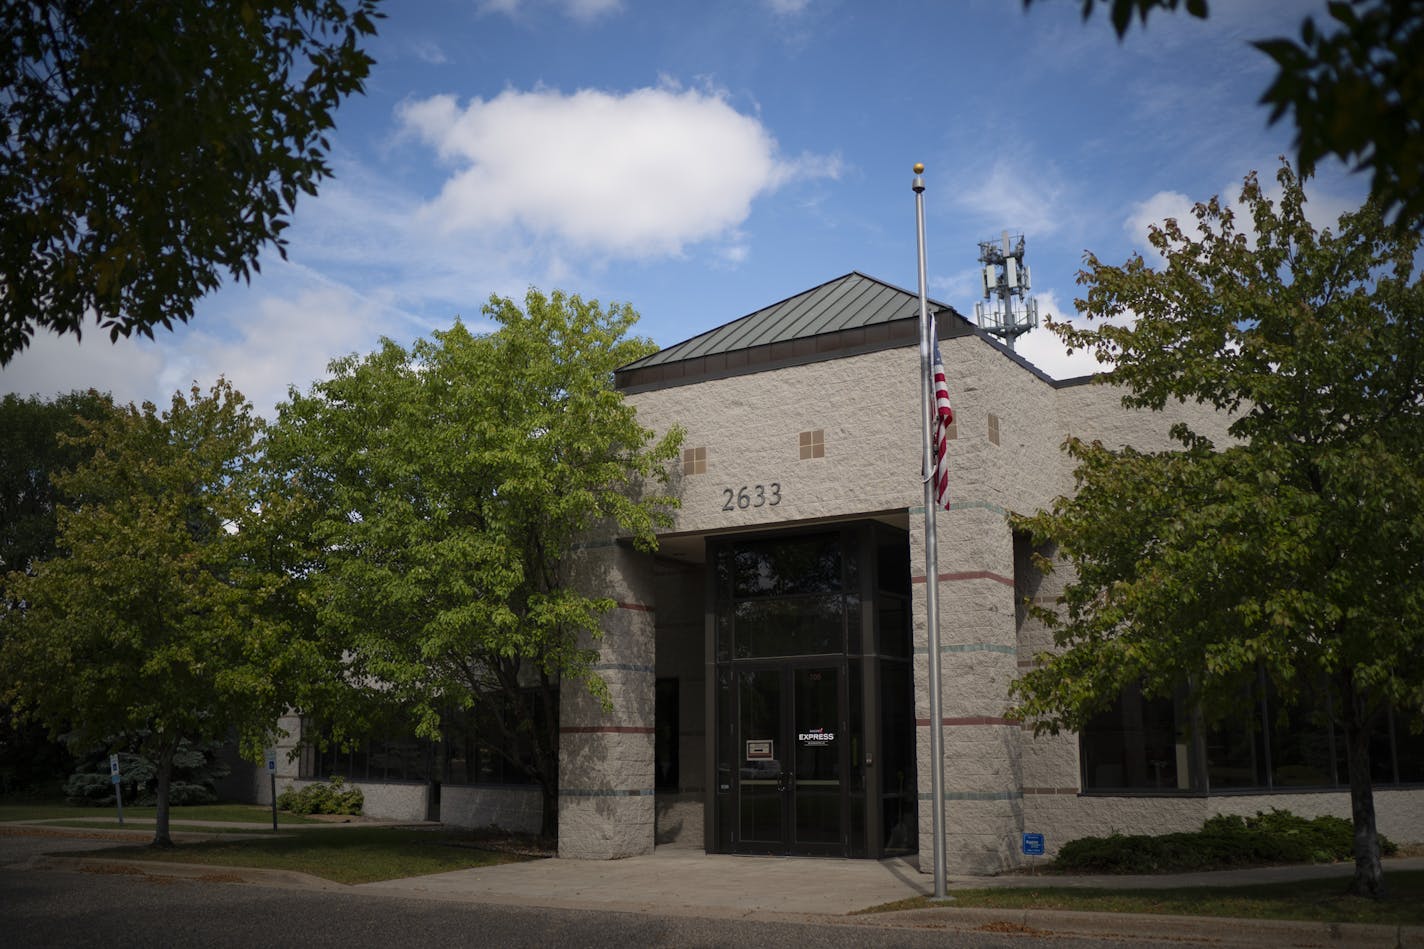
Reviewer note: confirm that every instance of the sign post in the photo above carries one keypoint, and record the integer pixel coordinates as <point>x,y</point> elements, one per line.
<point>118,788</point>
<point>1032,847</point>
<point>272,776</point>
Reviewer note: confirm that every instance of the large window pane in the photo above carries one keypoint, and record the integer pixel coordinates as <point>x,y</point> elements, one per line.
<point>795,626</point>
<point>1135,745</point>
<point>781,567</point>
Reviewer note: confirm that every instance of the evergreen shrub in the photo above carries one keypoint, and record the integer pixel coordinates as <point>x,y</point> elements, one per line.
<point>1225,841</point>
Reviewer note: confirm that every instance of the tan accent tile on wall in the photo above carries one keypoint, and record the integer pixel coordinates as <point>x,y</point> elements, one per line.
<point>813,444</point>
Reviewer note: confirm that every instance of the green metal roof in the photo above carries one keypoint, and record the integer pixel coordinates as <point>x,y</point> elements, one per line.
<point>848,315</point>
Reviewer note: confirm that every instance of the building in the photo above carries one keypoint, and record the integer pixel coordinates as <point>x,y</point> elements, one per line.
<point>768,665</point>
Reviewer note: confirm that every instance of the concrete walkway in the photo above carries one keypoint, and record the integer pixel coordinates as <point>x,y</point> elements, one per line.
<point>680,880</point>
<point>688,882</point>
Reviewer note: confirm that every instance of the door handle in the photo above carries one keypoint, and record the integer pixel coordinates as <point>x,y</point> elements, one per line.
<point>784,780</point>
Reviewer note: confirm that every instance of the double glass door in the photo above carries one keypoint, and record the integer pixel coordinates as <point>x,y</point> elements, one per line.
<point>791,737</point>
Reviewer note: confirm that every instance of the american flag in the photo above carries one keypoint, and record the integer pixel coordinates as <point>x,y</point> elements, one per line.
<point>943,418</point>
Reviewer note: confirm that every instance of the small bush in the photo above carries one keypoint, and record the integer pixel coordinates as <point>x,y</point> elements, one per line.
<point>1225,841</point>
<point>332,798</point>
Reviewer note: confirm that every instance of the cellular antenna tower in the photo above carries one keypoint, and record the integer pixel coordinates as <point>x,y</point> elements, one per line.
<point>1005,276</point>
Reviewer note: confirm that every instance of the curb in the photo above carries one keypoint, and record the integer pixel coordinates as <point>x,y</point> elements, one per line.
<point>202,872</point>
<point>1222,931</point>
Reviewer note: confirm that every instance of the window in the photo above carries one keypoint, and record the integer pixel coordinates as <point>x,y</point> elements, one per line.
<point>473,751</point>
<point>1136,745</point>
<point>1145,744</point>
<point>694,461</point>
<point>479,751</point>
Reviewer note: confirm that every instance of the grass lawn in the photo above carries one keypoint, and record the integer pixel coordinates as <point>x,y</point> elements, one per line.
<point>68,814</point>
<point>341,854</point>
<point>1316,900</point>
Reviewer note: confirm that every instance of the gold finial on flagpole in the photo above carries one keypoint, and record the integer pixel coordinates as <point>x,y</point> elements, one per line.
<point>919,168</point>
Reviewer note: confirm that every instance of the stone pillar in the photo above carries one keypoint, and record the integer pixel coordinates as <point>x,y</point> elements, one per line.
<point>606,776</point>
<point>983,798</point>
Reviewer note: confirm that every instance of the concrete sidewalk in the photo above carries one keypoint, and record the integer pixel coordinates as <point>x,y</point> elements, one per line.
<point>824,891</point>
<point>681,879</point>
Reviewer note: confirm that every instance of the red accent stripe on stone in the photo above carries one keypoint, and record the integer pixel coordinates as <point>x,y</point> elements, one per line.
<point>969,575</point>
<point>1052,791</point>
<point>640,607</point>
<point>971,720</point>
<point>606,730</point>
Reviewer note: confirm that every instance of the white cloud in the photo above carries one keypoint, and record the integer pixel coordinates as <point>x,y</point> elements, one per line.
<point>585,11</point>
<point>787,7</point>
<point>1323,208</point>
<point>1044,349</point>
<point>639,174</point>
<point>277,341</point>
<point>592,9</point>
<point>1007,196</point>
<point>285,340</point>
<point>1155,210</point>
<point>429,52</point>
<point>52,365</point>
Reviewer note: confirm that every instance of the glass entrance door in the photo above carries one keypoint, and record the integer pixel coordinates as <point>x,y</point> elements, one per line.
<point>791,792</point>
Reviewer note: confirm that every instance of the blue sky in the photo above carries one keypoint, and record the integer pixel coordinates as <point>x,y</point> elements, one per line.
<point>702,160</point>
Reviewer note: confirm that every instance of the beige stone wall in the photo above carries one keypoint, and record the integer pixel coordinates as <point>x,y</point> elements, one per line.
<point>998,779</point>
<point>403,801</point>
<point>606,754</point>
<point>1399,812</point>
<point>865,406</point>
<point>514,809</point>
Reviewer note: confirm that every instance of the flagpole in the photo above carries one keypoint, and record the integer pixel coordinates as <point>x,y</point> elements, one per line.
<point>931,555</point>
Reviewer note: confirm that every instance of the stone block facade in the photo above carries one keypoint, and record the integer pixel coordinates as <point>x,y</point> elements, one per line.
<point>787,436</point>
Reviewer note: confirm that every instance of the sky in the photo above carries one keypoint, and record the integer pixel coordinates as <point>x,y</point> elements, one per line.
<point>701,160</point>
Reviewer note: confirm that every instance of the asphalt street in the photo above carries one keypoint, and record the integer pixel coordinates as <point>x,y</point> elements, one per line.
<point>117,909</point>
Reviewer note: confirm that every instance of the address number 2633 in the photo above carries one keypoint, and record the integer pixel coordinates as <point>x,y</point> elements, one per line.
<point>750,496</point>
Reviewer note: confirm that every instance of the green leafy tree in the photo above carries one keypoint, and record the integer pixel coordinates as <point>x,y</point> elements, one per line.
<point>151,145</point>
<point>152,618</point>
<point>1295,549</point>
<point>32,451</point>
<point>447,485</point>
<point>1354,87</point>
<point>36,443</point>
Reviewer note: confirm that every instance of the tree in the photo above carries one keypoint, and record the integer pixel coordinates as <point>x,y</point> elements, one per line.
<point>446,487</point>
<point>37,442</point>
<point>1294,551</point>
<point>1355,92</point>
<point>32,450</point>
<point>152,144</point>
<point>151,618</point>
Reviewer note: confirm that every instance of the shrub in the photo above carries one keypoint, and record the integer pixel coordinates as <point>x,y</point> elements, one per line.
<point>1224,841</point>
<point>196,771</point>
<point>322,799</point>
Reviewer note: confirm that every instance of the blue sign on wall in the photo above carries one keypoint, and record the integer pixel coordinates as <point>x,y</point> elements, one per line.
<point>1033,845</point>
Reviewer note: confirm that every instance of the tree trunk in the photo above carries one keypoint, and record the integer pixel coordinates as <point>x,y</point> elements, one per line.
<point>166,748</point>
<point>1369,873</point>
